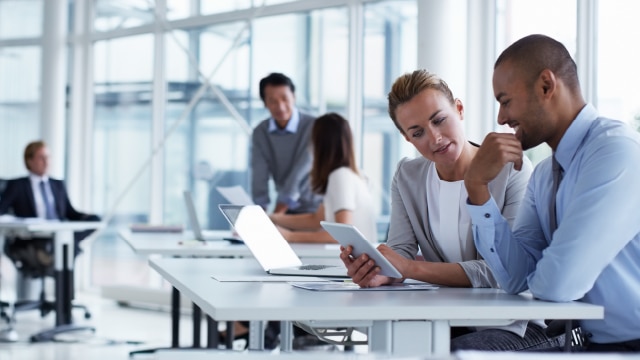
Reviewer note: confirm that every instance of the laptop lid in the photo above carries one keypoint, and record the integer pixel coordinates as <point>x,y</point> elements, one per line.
<point>191,214</point>
<point>261,236</point>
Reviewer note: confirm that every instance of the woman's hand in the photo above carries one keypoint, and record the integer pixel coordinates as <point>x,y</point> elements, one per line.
<point>402,264</point>
<point>362,270</point>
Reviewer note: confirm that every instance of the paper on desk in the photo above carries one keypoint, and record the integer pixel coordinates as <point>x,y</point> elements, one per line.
<point>235,195</point>
<point>523,355</point>
<point>349,286</point>
<point>267,278</point>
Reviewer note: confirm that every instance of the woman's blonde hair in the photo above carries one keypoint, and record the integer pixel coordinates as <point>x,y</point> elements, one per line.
<point>411,84</point>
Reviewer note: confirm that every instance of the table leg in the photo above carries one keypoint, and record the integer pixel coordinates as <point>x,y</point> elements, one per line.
<point>175,317</point>
<point>286,336</point>
<point>212,333</point>
<point>256,335</point>
<point>399,337</point>
<point>63,274</point>
<point>197,316</point>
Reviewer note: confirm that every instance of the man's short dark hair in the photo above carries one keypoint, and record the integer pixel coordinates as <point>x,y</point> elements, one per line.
<point>276,79</point>
<point>536,52</point>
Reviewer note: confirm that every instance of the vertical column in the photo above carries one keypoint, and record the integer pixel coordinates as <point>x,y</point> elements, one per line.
<point>356,75</point>
<point>159,101</point>
<point>442,40</point>
<point>587,49</point>
<point>80,125</point>
<point>480,104</point>
<point>53,82</point>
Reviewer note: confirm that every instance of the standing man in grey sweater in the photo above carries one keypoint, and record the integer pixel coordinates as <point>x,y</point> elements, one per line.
<point>280,150</point>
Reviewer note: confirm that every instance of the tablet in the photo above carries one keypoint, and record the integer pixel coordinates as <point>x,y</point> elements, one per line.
<point>347,234</point>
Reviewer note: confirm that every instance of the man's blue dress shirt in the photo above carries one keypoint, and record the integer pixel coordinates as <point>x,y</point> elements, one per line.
<point>594,255</point>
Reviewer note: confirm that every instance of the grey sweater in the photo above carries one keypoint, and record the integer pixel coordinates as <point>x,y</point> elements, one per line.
<point>409,226</point>
<point>287,159</point>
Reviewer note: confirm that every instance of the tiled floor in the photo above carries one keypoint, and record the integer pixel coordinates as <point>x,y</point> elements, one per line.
<point>118,328</point>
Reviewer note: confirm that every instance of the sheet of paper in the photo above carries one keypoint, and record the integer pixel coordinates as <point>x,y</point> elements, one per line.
<point>349,286</point>
<point>267,278</point>
<point>523,355</point>
<point>235,195</point>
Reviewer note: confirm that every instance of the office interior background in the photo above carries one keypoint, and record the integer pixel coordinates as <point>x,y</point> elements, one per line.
<point>142,99</point>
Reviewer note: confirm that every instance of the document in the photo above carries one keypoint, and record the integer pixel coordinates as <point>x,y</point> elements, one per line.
<point>349,286</point>
<point>267,278</point>
<point>235,195</point>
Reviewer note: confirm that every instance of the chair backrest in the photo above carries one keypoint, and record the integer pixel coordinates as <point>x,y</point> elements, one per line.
<point>3,185</point>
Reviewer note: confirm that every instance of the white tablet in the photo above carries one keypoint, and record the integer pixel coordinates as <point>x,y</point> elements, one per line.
<point>347,235</point>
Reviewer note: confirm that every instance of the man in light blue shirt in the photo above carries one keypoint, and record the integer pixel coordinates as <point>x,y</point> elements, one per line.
<point>593,253</point>
<point>280,150</point>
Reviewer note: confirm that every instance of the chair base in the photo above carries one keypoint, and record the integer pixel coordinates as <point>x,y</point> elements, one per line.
<point>8,335</point>
<point>50,334</point>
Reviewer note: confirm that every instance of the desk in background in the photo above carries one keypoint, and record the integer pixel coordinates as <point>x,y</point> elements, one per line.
<point>393,318</point>
<point>182,245</point>
<point>63,265</point>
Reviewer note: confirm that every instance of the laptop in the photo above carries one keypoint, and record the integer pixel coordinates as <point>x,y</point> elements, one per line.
<point>198,233</point>
<point>267,245</point>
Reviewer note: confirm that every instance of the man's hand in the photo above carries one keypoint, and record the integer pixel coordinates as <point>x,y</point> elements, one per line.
<point>286,233</point>
<point>496,151</point>
<point>281,208</point>
<point>362,270</point>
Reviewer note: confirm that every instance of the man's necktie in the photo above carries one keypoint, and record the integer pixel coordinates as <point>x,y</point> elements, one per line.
<point>50,212</point>
<point>557,177</point>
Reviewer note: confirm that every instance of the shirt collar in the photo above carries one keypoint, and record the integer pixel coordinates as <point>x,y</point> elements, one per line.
<point>36,178</point>
<point>292,124</point>
<point>576,132</point>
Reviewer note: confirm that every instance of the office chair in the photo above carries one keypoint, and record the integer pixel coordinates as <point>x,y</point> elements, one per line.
<point>35,262</point>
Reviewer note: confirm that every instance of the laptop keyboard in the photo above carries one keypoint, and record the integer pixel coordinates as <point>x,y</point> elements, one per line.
<point>314,267</point>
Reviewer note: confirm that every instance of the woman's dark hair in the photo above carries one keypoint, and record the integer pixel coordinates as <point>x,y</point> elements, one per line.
<point>332,148</point>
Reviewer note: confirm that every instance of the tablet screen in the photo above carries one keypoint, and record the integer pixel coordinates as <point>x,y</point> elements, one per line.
<point>347,235</point>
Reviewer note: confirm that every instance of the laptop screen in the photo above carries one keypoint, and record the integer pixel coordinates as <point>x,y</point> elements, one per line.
<point>193,217</point>
<point>261,236</point>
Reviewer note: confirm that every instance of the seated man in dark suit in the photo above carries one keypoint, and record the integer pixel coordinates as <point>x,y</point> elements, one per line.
<point>38,195</point>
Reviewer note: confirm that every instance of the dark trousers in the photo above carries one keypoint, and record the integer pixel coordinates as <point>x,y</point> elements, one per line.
<point>624,346</point>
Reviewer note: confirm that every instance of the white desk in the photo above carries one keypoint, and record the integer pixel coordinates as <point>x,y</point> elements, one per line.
<point>182,245</point>
<point>394,318</point>
<point>178,244</point>
<point>63,265</point>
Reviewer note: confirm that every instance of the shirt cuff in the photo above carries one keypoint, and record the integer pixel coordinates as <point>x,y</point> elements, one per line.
<point>485,214</point>
<point>287,200</point>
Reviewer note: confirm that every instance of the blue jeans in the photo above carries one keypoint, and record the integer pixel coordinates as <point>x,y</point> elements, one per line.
<point>502,340</point>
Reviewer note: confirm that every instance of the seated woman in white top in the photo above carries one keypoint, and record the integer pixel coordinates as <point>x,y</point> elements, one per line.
<point>334,174</point>
<point>428,211</point>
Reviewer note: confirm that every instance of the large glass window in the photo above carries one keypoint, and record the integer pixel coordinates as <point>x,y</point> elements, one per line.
<point>122,124</point>
<point>389,51</point>
<point>516,19</point>
<point>19,105</point>
<point>113,15</point>
<point>618,58</point>
<point>209,147</point>
<point>20,18</point>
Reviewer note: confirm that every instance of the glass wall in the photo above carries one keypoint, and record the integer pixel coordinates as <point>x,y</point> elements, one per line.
<point>618,58</point>
<point>113,15</point>
<point>390,35</point>
<point>122,126</point>
<point>20,19</point>
<point>19,105</point>
<point>210,144</point>
<point>516,19</point>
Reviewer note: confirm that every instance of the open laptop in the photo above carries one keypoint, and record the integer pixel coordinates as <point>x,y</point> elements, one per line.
<point>267,245</point>
<point>198,233</point>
